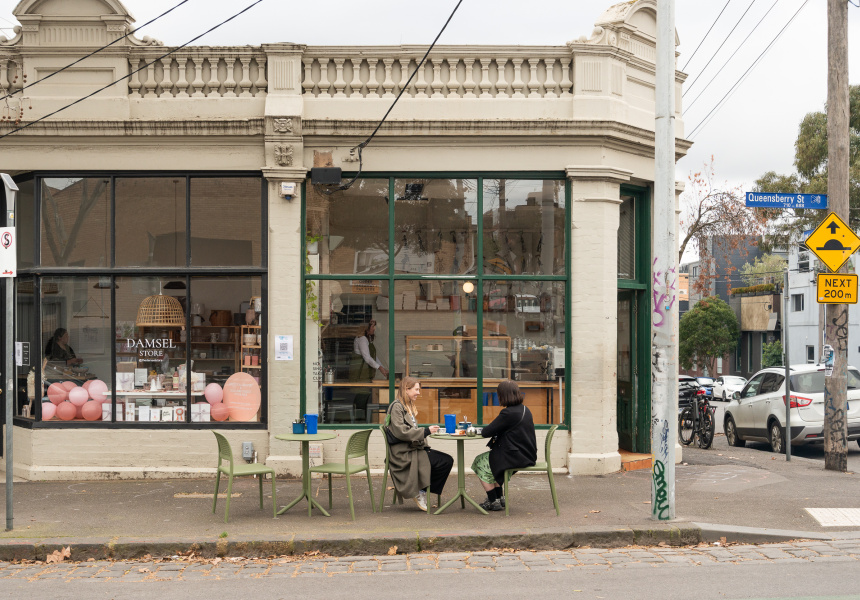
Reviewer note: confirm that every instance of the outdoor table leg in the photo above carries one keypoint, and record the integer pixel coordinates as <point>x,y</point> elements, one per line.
<point>306,486</point>
<point>461,484</point>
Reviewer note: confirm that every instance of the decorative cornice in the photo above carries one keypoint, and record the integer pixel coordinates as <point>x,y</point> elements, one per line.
<point>598,173</point>
<point>66,129</point>
<point>285,173</point>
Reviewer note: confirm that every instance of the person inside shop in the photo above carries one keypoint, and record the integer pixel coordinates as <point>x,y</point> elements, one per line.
<point>468,357</point>
<point>58,348</point>
<point>363,366</point>
<point>414,465</point>
<point>512,444</point>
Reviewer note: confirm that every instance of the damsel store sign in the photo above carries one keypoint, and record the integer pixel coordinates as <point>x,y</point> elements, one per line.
<point>150,350</point>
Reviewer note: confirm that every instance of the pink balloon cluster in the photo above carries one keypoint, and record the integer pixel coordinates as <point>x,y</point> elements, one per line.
<point>69,401</point>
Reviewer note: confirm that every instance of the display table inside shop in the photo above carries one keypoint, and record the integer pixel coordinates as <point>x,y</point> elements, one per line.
<point>461,471</point>
<point>305,439</point>
<point>439,396</point>
<point>170,406</point>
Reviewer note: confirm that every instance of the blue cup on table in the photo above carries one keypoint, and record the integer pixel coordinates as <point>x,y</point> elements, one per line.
<point>450,423</point>
<point>311,423</point>
<point>298,427</point>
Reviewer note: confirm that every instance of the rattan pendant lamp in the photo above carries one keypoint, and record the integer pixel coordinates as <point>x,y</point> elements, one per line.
<point>160,311</point>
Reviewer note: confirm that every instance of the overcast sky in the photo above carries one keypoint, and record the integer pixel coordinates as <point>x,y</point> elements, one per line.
<point>752,133</point>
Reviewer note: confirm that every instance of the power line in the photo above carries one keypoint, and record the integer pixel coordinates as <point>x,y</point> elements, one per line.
<point>749,35</point>
<point>706,36</point>
<point>751,67</point>
<point>95,51</point>
<point>363,145</point>
<point>714,55</point>
<point>165,55</point>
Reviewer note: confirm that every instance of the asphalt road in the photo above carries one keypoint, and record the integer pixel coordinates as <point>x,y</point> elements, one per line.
<point>704,572</point>
<point>809,451</point>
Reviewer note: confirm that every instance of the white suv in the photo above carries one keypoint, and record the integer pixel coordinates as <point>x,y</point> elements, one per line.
<point>757,413</point>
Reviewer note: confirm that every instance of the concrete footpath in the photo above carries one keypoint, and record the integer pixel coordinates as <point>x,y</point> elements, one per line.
<point>741,494</point>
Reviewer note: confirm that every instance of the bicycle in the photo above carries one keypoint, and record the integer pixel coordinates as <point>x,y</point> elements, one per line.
<point>697,421</point>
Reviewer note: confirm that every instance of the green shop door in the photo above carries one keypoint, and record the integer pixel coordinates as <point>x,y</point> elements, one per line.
<point>631,411</point>
<point>626,382</point>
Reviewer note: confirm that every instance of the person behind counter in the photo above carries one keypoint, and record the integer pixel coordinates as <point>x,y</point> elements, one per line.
<point>512,444</point>
<point>58,348</point>
<point>363,367</point>
<point>414,465</point>
<point>363,364</point>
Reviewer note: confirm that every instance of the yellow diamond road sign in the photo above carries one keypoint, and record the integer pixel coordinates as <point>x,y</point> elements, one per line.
<point>833,242</point>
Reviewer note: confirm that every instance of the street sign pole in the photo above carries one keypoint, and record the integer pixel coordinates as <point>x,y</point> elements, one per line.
<point>9,354</point>
<point>787,363</point>
<point>664,331</point>
<point>836,386</point>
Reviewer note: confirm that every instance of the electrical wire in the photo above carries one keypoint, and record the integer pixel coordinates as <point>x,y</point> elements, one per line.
<point>714,55</point>
<point>133,31</point>
<point>702,93</point>
<point>165,55</point>
<point>742,77</point>
<point>706,35</point>
<point>360,147</point>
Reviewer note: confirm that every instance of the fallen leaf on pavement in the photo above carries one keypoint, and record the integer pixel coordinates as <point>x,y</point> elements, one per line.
<point>722,540</point>
<point>392,551</point>
<point>143,570</point>
<point>57,556</point>
<point>594,511</point>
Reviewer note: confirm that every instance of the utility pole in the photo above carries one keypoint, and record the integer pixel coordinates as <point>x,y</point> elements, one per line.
<point>11,191</point>
<point>836,386</point>
<point>664,277</point>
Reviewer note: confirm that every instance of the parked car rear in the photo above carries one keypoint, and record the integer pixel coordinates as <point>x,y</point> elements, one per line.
<point>707,384</point>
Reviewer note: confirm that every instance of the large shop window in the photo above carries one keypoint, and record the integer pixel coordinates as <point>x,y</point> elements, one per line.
<point>458,282</point>
<point>144,336</point>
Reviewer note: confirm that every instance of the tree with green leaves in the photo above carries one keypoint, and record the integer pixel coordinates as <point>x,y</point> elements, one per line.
<point>771,355</point>
<point>765,269</point>
<point>810,160</point>
<point>708,331</point>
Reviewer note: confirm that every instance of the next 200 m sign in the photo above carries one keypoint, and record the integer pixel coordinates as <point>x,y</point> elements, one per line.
<point>765,200</point>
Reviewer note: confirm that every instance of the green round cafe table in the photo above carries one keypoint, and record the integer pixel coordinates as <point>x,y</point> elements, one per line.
<point>461,470</point>
<point>305,439</point>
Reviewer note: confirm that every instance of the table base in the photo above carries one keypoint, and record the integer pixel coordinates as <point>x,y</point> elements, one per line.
<point>311,504</point>
<point>461,484</point>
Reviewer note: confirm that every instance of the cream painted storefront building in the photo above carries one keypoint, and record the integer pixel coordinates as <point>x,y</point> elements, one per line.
<point>500,227</point>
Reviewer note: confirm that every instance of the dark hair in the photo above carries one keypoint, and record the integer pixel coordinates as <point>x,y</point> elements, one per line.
<point>365,332</point>
<point>509,393</point>
<point>58,333</point>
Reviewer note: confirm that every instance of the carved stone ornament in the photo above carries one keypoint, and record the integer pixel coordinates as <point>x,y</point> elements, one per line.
<point>283,125</point>
<point>284,155</point>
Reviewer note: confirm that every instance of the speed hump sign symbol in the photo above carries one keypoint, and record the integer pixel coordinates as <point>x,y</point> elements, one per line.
<point>833,242</point>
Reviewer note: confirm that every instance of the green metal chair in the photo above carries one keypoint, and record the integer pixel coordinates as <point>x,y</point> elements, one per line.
<point>541,466</point>
<point>356,447</point>
<point>225,453</point>
<point>396,498</point>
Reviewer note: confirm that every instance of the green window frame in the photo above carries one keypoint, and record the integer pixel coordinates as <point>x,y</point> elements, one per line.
<point>478,278</point>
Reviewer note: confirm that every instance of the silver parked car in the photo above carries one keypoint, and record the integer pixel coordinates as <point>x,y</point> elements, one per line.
<point>726,385</point>
<point>757,413</point>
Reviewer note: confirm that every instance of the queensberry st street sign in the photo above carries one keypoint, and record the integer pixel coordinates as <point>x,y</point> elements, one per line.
<point>764,200</point>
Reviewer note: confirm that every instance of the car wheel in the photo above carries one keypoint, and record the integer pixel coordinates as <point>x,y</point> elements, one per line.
<point>776,439</point>
<point>732,433</point>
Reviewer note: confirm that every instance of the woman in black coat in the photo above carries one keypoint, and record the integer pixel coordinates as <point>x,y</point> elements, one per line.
<point>512,444</point>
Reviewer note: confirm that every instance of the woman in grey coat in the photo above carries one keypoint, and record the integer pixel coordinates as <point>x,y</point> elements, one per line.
<point>414,465</point>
